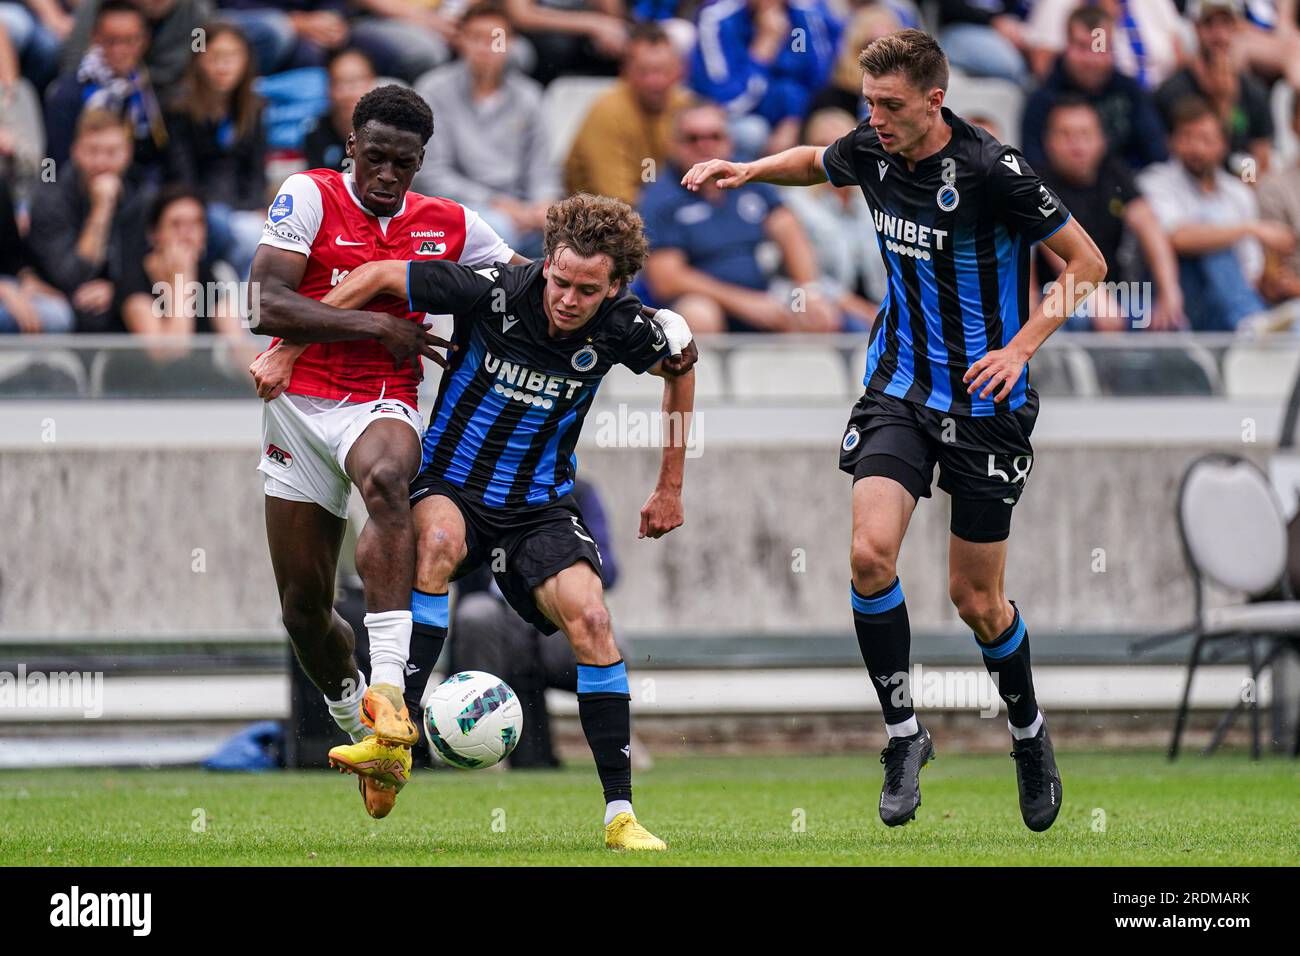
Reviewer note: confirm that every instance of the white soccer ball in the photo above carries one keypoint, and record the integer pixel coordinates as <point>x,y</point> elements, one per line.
<point>473,720</point>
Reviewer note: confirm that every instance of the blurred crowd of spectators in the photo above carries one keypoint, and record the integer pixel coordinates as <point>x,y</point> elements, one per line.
<point>141,140</point>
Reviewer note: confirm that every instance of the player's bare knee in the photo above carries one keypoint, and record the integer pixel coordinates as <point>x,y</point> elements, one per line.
<point>873,566</point>
<point>438,551</point>
<point>979,607</point>
<point>385,488</point>
<point>306,616</point>
<point>590,630</point>
<point>595,619</point>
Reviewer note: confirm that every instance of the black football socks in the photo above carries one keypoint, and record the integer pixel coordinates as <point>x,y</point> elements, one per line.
<point>1007,661</point>
<point>429,619</point>
<point>605,710</point>
<point>885,640</point>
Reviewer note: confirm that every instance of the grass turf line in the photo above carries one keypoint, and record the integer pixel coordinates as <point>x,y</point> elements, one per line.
<point>1120,809</point>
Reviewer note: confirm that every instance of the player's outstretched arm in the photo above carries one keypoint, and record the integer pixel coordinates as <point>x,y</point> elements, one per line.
<point>368,280</point>
<point>797,166</point>
<point>284,312</point>
<point>999,370</point>
<point>662,511</point>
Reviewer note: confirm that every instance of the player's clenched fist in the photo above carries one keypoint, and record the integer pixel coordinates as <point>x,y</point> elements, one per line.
<point>272,371</point>
<point>678,365</point>
<point>728,174</point>
<point>661,513</point>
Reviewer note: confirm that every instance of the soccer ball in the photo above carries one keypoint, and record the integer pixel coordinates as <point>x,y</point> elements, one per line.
<point>473,720</point>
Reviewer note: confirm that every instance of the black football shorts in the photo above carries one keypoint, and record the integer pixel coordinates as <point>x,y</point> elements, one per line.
<point>983,462</point>
<point>522,546</point>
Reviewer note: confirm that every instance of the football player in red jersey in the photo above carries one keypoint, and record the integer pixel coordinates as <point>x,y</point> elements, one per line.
<point>346,414</point>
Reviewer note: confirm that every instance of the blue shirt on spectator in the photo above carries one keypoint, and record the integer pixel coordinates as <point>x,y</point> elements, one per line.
<point>720,239</point>
<point>723,70</point>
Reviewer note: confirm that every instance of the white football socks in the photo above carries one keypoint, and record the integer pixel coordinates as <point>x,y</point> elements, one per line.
<point>904,728</point>
<point>347,711</point>
<point>615,807</point>
<point>390,646</point>
<point>1024,733</point>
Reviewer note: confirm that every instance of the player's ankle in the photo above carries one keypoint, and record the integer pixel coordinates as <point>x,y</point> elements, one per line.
<point>615,807</point>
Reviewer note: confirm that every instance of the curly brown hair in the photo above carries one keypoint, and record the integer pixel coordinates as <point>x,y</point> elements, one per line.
<point>598,225</point>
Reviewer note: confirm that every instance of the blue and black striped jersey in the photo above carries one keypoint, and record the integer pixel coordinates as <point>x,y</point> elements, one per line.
<point>513,398</point>
<point>955,234</point>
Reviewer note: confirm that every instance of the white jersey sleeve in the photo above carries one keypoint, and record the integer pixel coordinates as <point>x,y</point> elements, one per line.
<point>482,244</point>
<point>294,216</point>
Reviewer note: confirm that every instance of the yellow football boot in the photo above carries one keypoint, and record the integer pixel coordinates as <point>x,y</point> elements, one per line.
<point>378,798</point>
<point>384,712</point>
<point>383,768</point>
<point>624,833</point>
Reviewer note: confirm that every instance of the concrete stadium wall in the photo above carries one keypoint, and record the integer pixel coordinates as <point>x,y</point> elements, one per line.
<point>133,525</point>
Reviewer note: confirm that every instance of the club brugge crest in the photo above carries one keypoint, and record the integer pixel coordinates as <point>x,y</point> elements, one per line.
<point>851,438</point>
<point>282,207</point>
<point>584,360</point>
<point>947,197</point>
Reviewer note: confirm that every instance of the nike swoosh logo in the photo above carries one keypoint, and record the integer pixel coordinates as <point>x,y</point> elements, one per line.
<point>507,322</point>
<point>339,240</point>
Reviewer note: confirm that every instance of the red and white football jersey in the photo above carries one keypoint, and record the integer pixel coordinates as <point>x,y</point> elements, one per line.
<point>317,213</point>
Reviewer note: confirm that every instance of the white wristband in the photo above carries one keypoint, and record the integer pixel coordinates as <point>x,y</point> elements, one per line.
<point>675,329</point>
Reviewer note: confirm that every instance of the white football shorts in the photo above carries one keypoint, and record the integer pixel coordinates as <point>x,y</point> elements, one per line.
<point>306,440</point>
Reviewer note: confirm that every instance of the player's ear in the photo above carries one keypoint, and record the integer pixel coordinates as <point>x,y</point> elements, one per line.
<point>351,146</point>
<point>546,268</point>
<point>615,288</point>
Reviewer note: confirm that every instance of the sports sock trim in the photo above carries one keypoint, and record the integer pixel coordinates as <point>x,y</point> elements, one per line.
<point>878,603</point>
<point>1025,733</point>
<point>431,609</point>
<point>905,728</point>
<point>1007,643</point>
<point>602,678</point>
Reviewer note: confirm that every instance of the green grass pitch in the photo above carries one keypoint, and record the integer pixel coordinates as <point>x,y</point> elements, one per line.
<point>1132,809</point>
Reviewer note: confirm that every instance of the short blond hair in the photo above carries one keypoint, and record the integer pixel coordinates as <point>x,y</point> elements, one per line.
<point>98,120</point>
